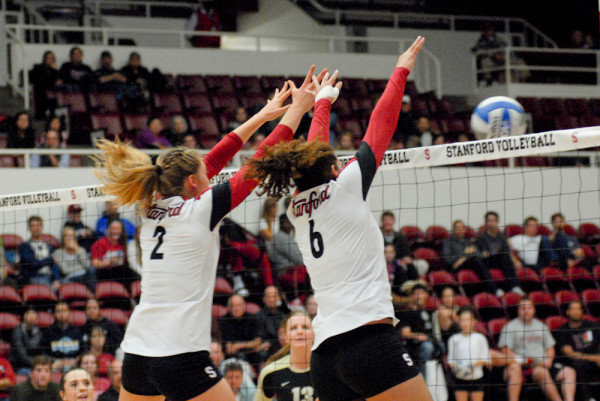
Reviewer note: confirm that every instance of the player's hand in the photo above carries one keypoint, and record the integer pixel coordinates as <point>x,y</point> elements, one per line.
<point>274,108</point>
<point>409,57</point>
<point>304,96</point>
<point>327,88</point>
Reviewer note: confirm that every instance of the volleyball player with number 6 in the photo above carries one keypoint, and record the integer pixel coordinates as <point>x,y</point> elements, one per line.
<point>357,352</point>
<point>168,336</point>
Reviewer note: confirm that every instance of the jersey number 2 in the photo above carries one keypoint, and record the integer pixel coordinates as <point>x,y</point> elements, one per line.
<point>160,231</point>
<point>316,236</point>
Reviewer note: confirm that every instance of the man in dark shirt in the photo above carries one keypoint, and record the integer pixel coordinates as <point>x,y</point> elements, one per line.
<point>62,340</point>
<point>26,342</point>
<point>75,75</point>
<point>85,235</point>
<point>38,387</point>
<point>239,331</point>
<point>390,236</point>
<point>114,375</point>
<point>269,319</point>
<point>495,251</point>
<point>578,342</point>
<point>417,327</point>
<point>114,336</point>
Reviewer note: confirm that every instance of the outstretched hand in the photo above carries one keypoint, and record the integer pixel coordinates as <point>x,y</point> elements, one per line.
<point>274,108</point>
<point>304,96</point>
<point>409,57</point>
<point>327,88</point>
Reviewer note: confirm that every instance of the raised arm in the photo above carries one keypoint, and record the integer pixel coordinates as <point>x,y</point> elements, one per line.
<point>328,92</point>
<point>223,152</point>
<point>384,118</point>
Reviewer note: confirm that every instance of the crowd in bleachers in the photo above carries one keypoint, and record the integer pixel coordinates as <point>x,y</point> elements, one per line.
<point>83,288</point>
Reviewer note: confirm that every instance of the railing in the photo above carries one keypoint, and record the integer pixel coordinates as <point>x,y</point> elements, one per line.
<point>538,38</point>
<point>590,159</point>
<point>99,5</point>
<point>541,65</point>
<point>429,80</point>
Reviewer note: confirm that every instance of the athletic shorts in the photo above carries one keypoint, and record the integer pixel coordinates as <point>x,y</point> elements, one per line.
<point>178,377</point>
<point>468,385</point>
<point>361,363</point>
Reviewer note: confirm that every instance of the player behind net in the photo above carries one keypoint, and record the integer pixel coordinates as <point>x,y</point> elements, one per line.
<point>168,336</point>
<point>357,352</point>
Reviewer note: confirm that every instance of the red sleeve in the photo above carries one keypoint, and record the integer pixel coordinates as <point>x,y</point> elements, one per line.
<point>319,127</point>
<point>221,153</point>
<point>384,118</point>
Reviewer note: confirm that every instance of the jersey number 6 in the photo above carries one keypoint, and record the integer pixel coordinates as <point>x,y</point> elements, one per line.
<point>317,250</point>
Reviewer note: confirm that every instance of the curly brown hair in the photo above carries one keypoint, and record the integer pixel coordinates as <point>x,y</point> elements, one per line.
<point>297,163</point>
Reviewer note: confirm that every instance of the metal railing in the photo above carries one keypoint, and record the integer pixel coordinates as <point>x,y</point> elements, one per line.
<point>100,5</point>
<point>525,61</point>
<point>590,159</point>
<point>538,38</point>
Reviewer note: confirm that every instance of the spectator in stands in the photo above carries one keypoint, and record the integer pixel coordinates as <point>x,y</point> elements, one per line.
<point>75,75</point>
<point>285,255</point>
<point>52,141</point>
<point>38,387</point>
<point>21,134</point>
<point>240,116</point>
<point>439,140</point>
<point>152,137</point>
<point>89,363</point>
<point>417,328</point>
<point>73,261</point>
<point>111,212</point>
<point>566,247</point>
<point>218,359</point>
<point>190,142</point>
<point>445,318</point>
<point>97,346</point>
<point>468,353</point>
<point>114,376</point>
<point>268,219</point>
<point>44,77</point>
<point>55,123</point>
<point>35,257</point>
<point>62,340</point>
<point>461,253</point>
<point>578,342</point>
<point>84,234</point>
<point>406,127</point>
<point>528,340</point>
<point>395,238</point>
<point>136,74</point>
<point>240,331</point>
<point>204,19</point>
<point>531,249</point>
<point>113,333</point>
<point>577,41</point>
<point>399,274</point>
<point>269,319</point>
<point>310,304</point>
<point>346,141</point>
<point>6,277</point>
<point>107,77</point>
<point>589,41</point>
<point>495,251</point>
<point>426,136</point>
<point>235,377</point>
<point>76,384</point>
<point>26,343</point>
<point>178,130</point>
<point>109,256</point>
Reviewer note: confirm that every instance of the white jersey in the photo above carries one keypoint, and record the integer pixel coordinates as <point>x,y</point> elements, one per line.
<point>469,348</point>
<point>179,258</point>
<point>342,248</point>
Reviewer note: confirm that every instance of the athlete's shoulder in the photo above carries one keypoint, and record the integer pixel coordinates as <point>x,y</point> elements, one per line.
<point>275,366</point>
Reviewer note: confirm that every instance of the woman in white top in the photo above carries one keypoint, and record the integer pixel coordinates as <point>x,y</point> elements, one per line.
<point>73,260</point>
<point>168,336</point>
<point>468,353</point>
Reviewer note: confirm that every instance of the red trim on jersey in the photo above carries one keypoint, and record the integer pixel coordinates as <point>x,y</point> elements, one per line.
<point>347,164</point>
<point>241,188</point>
<point>384,118</point>
<point>319,126</point>
<point>221,153</point>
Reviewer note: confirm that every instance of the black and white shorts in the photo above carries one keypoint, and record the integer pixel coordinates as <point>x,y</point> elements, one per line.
<point>178,377</point>
<point>361,363</point>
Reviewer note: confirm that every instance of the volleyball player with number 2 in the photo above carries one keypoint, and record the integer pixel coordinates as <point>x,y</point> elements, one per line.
<point>357,352</point>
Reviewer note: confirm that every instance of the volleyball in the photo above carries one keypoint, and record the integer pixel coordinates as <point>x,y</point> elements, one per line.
<point>498,116</point>
<point>463,369</point>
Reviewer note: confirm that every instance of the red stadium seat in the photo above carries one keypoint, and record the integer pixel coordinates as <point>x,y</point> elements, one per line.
<point>45,319</point>
<point>222,286</point>
<point>481,327</point>
<point>430,256</point>
<point>269,82</point>
<point>440,279</point>
<point>532,105</point>
<point>580,278</point>
<point>529,280</point>
<point>253,100</point>
<point>513,229</point>
<point>39,296</point>
<point>50,240</point>
<point>554,106</point>
<point>488,306</point>
<point>413,234</point>
<point>461,301</point>
<point>570,230</point>
<point>117,316</point>
<point>11,242</point>
<point>191,83</point>
<point>555,322</point>
<point>497,277</point>
<point>470,283</point>
<point>435,236</point>
<point>247,84</point>
<point>77,318</point>
<point>10,301</point>
<point>495,328</point>
<point>167,103</point>
<point>376,85</point>
<point>510,301</point>
<point>543,230</point>
<point>76,294</point>
<point>74,100</point>
<point>577,107</point>
<point>554,279</point>
<point>135,122</point>
<point>566,122</point>
<point>590,121</point>
<point>197,102</point>
<point>589,233</point>
<point>544,304</point>
<point>8,321</point>
<point>355,86</point>
<point>591,301</point>
<point>219,311</point>
<point>252,308</point>
<point>433,303</point>
<point>102,102</point>
<point>361,104</point>
<point>112,294</point>
<point>207,124</point>
<point>110,123</point>
<point>563,298</point>
<point>219,84</point>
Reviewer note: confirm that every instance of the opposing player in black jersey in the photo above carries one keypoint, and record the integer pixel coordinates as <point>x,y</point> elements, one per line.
<point>357,352</point>
<point>287,375</point>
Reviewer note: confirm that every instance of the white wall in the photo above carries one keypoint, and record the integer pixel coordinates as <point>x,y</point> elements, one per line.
<point>421,197</point>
